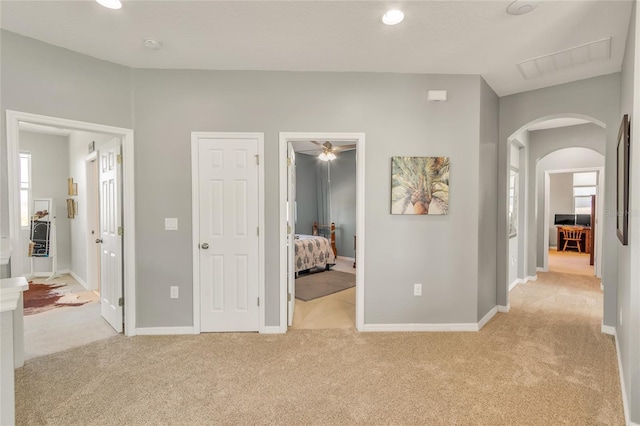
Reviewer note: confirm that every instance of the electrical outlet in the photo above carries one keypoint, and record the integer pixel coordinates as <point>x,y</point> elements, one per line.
<point>174,292</point>
<point>417,289</point>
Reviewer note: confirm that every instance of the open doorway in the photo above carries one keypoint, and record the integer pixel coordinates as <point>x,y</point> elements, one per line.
<point>66,178</point>
<point>321,179</point>
<point>322,183</point>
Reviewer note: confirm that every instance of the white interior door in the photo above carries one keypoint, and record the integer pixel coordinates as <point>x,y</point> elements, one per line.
<point>291,230</point>
<point>228,206</point>
<point>110,234</point>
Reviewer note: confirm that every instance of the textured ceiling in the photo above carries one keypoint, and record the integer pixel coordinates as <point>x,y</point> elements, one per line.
<point>452,37</point>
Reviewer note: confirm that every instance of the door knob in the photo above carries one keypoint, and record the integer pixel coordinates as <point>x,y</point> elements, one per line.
<point>205,246</point>
<point>98,240</point>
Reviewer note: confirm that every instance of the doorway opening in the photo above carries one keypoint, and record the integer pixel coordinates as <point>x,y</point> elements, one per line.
<point>322,230</point>
<point>69,164</point>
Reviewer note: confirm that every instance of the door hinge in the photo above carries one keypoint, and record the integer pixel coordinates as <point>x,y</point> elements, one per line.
<point>119,158</point>
<point>288,161</point>
<point>120,230</point>
<point>257,159</point>
<point>257,230</point>
<point>121,301</point>
<point>258,301</point>
<point>288,229</point>
<point>288,297</point>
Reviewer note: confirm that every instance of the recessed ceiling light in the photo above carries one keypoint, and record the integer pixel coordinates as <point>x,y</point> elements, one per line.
<point>393,17</point>
<point>152,43</point>
<point>520,7</point>
<point>111,4</point>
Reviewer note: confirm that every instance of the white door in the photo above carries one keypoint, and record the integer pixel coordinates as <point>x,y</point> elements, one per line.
<point>291,230</point>
<point>228,226</point>
<point>110,238</point>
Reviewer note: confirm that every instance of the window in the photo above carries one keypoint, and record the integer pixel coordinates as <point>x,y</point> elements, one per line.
<point>584,186</point>
<point>25,188</point>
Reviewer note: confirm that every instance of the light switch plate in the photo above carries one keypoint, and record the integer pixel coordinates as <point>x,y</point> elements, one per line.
<point>171,224</point>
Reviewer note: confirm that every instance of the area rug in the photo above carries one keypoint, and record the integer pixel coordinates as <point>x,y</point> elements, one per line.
<point>43,297</point>
<point>314,286</point>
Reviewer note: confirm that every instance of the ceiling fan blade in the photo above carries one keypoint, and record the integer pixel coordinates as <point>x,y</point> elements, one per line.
<point>318,143</point>
<point>343,147</point>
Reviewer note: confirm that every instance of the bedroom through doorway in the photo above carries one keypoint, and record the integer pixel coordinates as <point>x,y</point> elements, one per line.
<point>322,223</point>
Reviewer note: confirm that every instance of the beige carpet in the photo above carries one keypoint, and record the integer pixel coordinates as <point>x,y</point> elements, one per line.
<point>544,363</point>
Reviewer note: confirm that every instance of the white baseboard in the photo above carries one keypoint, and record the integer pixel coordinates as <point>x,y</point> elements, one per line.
<point>421,327</point>
<point>77,278</point>
<point>601,286</point>
<point>485,319</point>
<point>531,278</point>
<point>625,401</point>
<point>160,331</point>
<point>505,309</point>
<point>608,329</point>
<point>541,269</point>
<point>272,329</point>
<point>350,259</point>
<point>513,284</point>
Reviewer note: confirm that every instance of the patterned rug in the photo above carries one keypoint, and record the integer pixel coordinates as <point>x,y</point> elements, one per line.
<point>43,297</point>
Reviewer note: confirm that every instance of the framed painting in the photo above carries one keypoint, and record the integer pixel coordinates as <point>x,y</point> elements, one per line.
<point>420,185</point>
<point>622,193</point>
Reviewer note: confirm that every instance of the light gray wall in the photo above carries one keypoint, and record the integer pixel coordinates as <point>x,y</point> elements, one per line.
<point>553,149</point>
<point>598,98</point>
<point>393,112</point>
<point>488,194</point>
<point>49,173</point>
<point>39,78</point>
<point>627,320</point>
<point>306,193</point>
<point>343,201</point>
<point>560,201</point>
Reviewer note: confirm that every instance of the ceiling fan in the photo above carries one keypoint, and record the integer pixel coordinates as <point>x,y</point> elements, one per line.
<point>329,151</point>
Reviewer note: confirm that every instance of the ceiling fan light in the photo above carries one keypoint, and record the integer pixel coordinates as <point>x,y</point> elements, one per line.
<point>331,156</point>
<point>323,156</point>
<point>111,4</point>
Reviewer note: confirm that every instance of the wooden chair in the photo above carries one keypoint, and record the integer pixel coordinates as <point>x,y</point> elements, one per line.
<point>574,235</point>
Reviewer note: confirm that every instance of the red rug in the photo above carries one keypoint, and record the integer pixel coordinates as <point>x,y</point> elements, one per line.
<point>43,297</point>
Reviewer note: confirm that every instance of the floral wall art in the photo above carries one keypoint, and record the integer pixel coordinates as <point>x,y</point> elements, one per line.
<point>419,185</point>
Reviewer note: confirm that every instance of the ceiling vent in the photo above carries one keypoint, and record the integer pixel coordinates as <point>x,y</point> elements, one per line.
<point>596,51</point>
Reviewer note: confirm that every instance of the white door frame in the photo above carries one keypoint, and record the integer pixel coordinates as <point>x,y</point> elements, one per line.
<point>359,139</point>
<point>195,198</point>
<point>599,215</point>
<point>128,195</point>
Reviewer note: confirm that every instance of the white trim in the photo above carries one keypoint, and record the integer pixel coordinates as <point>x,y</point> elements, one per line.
<point>625,401</point>
<point>504,309</point>
<point>539,269</point>
<point>163,331</point>
<point>531,278</point>
<point>77,278</point>
<point>271,329</point>
<point>485,319</point>
<point>513,284</point>
<point>359,138</point>
<point>195,220</point>
<point>608,329</point>
<point>470,326</point>
<point>128,195</point>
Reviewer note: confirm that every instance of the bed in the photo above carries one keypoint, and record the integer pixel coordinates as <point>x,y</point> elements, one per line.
<point>312,252</point>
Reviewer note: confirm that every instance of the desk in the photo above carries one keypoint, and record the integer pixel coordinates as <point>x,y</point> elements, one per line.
<point>585,244</point>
